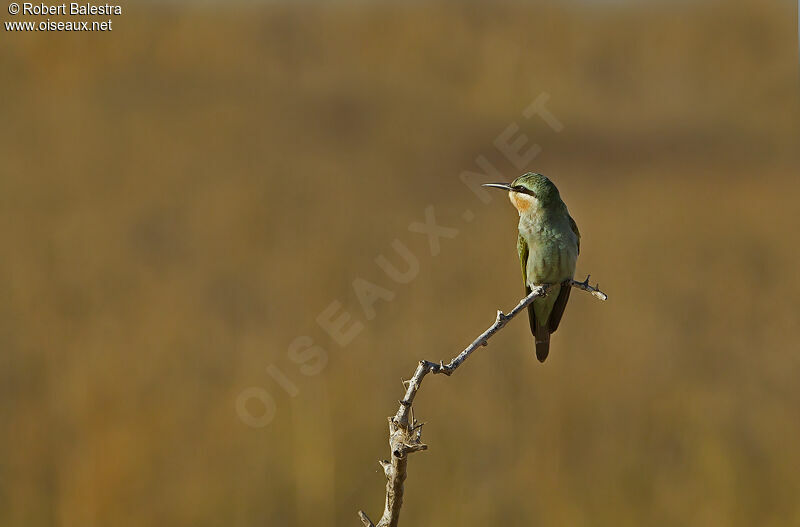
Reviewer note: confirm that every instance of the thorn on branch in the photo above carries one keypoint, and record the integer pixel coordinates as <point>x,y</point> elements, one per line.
<point>387,468</point>
<point>365,519</point>
<point>404,449</point>
<point>585,286</point>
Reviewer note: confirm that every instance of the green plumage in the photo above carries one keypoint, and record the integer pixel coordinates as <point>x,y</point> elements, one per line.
<point>548,245</point>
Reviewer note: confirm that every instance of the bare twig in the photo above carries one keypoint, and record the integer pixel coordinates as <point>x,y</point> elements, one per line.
<point>595,291</point>
<point>365,520</point>
<point>405,433</point>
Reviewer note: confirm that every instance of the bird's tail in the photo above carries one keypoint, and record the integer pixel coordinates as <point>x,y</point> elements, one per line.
<point>541,333</point>
<point>542,337</point>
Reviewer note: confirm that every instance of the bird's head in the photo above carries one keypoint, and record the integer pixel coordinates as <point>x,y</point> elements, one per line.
<point>530,192</point>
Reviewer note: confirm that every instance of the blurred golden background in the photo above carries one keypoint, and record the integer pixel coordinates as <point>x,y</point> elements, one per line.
<point>183,196</point>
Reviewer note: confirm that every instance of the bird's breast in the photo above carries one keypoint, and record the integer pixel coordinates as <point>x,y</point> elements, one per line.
<point>552,252</point>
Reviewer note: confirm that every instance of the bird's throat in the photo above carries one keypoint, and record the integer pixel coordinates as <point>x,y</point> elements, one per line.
<point>524,203</point>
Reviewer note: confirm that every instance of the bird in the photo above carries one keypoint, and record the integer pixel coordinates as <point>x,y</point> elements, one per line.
<point>548,244</point>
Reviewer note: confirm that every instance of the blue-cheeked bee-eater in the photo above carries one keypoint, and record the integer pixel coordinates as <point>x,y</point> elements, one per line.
<point>548,246</point>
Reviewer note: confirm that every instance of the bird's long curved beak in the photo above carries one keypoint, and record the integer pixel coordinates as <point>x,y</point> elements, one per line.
<point>503,186</point>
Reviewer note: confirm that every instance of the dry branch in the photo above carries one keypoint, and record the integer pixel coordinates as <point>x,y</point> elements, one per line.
<point>405,433</point>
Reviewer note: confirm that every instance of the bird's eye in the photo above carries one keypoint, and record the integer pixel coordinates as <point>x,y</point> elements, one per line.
<point>519,188</point>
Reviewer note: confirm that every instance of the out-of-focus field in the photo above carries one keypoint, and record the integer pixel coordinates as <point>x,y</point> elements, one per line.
<point>180,199</point>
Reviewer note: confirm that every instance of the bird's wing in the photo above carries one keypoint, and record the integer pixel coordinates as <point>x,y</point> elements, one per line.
<point>522,249</point>
<point>558,306</point>
<point>563,295</point>
<point>574,227</point>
